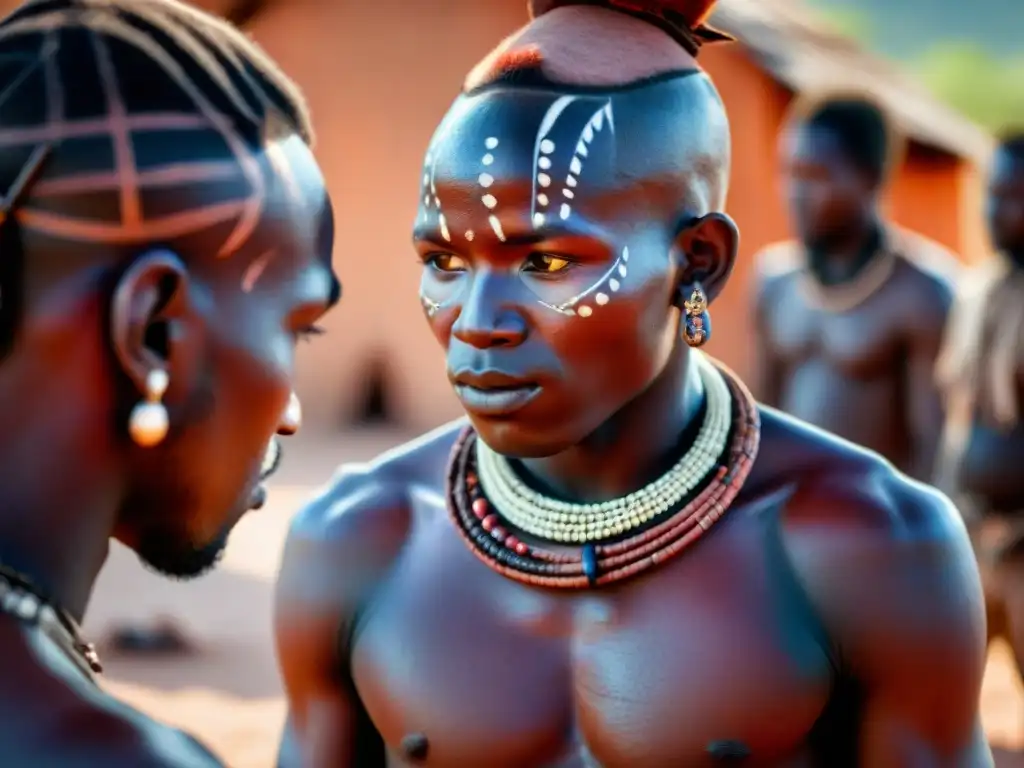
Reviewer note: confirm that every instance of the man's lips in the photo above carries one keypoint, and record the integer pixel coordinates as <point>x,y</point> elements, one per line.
<point>258,498</point>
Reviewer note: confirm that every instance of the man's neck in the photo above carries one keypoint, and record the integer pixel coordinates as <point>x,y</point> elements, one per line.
<point>840,258</point>
<point>55,527</point>
<point>631,449</point>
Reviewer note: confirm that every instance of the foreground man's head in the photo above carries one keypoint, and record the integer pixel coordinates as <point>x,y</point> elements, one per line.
<point>166,239</point>
<point>571,200</point>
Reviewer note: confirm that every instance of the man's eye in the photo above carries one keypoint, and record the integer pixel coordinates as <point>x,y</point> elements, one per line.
<point>546,263</point>
<point>446,262</point>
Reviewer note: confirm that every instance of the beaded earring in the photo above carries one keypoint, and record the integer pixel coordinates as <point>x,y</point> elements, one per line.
<point>696,320</point>
<point>149,422</point>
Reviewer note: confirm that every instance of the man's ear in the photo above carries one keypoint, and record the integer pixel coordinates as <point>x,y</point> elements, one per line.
<point>706,252</point>
<point>148,313</point>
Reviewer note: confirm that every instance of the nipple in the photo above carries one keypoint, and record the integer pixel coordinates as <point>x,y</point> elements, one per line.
<point>415,747</point>
<point>728,751</point>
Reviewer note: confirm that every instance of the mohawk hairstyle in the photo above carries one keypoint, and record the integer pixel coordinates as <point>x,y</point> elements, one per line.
<point>581,45</point>
<point>125,100</point>
<point>860,124</point>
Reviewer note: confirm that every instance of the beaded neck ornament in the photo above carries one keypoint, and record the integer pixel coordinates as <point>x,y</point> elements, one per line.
<point>20,598</point>
<point>617,539</point>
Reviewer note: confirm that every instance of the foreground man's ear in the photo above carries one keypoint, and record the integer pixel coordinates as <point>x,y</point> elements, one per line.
<point>149,335</point>
<point>705,249</point>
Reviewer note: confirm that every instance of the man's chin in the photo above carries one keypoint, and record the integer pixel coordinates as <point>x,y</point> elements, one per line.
<point>517,440</point>
<point>184,561</point>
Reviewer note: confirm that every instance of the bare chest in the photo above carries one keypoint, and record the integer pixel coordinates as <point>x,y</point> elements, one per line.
<point>662,671</point>
<point>862,342</point>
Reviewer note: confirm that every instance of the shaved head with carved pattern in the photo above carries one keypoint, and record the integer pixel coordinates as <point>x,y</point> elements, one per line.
<point>571,200</point>
<point>161,210</point>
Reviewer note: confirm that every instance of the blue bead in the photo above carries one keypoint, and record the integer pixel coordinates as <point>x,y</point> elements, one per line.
<point>590,563</point>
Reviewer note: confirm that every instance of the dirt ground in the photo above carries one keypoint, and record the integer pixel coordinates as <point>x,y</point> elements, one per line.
<point>228,693</point>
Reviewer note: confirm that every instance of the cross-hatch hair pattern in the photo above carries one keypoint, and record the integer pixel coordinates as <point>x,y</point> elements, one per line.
<point>130,100</point>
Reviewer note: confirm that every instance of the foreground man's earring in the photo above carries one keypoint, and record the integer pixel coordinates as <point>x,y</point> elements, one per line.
<point>291,421</point>
<point>696,320</point>
<point>148,423</point>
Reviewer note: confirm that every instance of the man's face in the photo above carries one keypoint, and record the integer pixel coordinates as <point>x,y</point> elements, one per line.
<point>548,276</point>
<point>825,191</point>
<point>1006,202</point>
<point>257,303</point>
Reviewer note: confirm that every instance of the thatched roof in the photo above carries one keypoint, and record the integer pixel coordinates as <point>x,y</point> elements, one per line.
<point>805,55</point>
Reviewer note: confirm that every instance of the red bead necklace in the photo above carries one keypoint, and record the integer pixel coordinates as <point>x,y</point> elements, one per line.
<point>490,538</point>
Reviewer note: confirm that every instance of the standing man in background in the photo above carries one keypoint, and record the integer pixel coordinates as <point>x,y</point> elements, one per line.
<point>981,372</point>
<point>850,315</point>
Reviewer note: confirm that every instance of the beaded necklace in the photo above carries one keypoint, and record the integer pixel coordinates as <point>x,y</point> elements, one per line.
<point>487,529</point>
<point>562,521</point>
<point>858,289</point>
<point>20,598</point>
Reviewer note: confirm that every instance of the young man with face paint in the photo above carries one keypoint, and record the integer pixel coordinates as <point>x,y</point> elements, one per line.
<point>850,316</point>
<point>981,371</point>
<point>620,559</point>
<point>165,239</point>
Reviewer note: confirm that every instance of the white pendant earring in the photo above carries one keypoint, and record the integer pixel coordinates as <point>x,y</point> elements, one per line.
<point>149,422</point>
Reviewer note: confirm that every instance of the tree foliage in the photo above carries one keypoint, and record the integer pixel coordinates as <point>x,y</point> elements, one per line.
<point>986,88</point>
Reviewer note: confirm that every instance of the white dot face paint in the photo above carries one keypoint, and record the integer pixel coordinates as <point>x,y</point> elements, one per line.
<point>544,162</point>
<point>574,146</point>
<point>597,294</point>
<point>486,182</point>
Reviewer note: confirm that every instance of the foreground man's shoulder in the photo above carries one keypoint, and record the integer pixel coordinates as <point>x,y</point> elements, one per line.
<point>134,741</point>
<point>876,548</point>
<point>365,494</point>
<point>84,726</point>
<point>351,533</point>
<point>846,487</point>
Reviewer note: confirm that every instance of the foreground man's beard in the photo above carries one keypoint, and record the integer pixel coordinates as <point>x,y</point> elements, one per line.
<point>171,559</point>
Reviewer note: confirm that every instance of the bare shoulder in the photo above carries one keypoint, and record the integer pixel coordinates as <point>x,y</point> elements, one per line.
<point>778,258</point>
<point>927,277</point>
<point>59,718</point>
<point>346,538</point>
<point>361,495</point>
<point>116,736</point>
<point>874,548</point>
<point>775,266</point>
<point>837,486</point>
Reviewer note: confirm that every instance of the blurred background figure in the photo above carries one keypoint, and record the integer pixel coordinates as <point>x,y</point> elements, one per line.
<point>851,313</point>
<point>982,373</point>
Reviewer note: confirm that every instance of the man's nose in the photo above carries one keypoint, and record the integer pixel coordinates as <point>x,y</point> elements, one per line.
<point>291,419</point>
<point>488,319</point>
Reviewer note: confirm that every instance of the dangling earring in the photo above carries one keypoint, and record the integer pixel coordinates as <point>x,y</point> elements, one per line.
<point>291,421</point>
<point>148,423</point>
<point>696,320</point>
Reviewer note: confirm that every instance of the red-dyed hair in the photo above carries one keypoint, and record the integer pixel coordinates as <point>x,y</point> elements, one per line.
<point>513,60</point>
<point>693,12</point>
